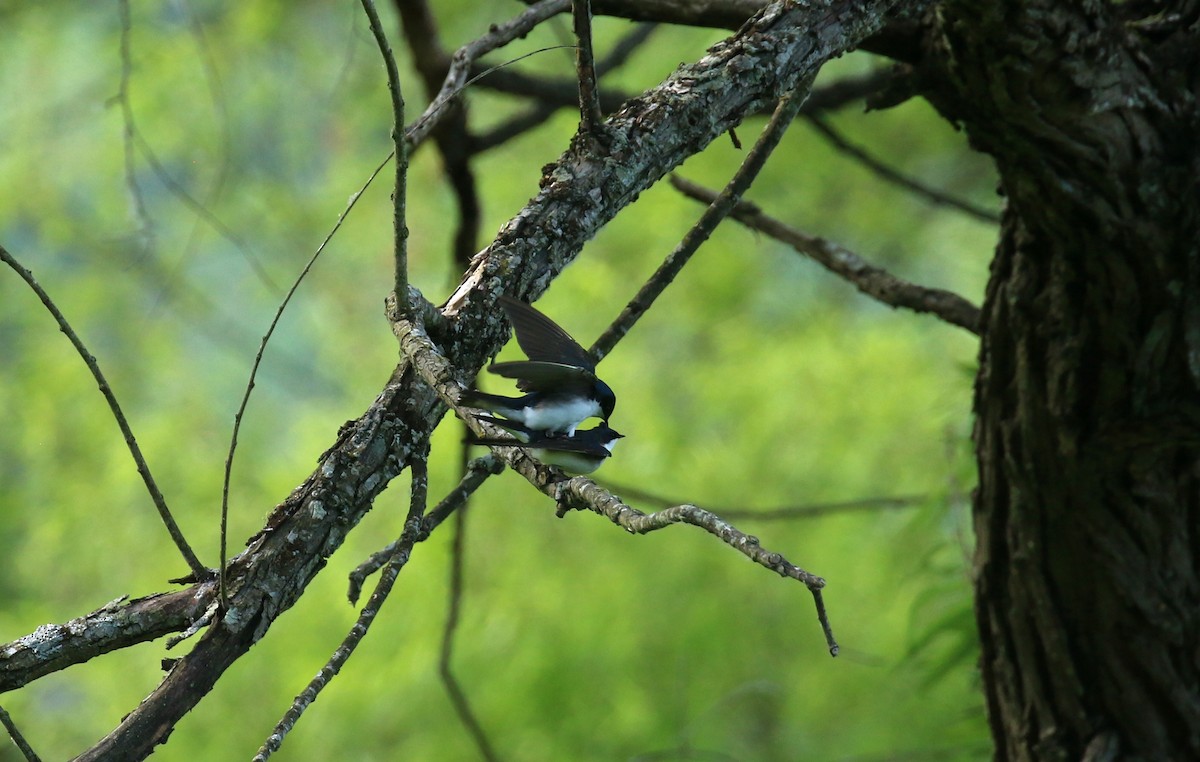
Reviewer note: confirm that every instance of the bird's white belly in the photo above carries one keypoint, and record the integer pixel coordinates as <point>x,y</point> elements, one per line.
<point>558,416</point>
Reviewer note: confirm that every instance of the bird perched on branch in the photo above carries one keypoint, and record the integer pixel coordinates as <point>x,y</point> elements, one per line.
<point>559,379</point>
<point>580,453</point>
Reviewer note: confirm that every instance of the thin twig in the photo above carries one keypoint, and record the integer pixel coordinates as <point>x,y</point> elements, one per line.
<point>783,513</point>
<point>262,348</point>
<point>581,493</point>
<point>15,734</point>
<point>871,280</point>
<point>717,211</point>
<point>477,472</point>
<point>453,138</point>
<point>199,571</point>
<point>399,193</point>
<point>591,121</point>
<point>897,178</point>
<point>462,707</point>
<point>460,65</point>
<point>543,90</point>
<point>383,588</point>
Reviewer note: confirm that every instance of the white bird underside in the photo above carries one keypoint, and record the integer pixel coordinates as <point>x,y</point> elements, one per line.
<point>556,417</point>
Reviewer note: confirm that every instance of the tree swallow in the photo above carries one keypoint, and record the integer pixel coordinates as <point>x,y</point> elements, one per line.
<point>579,453</point>
<point>559,378</point>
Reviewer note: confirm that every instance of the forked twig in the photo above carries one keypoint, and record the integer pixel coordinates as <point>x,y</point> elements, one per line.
<point>383,588</point>
<point>477,472</point>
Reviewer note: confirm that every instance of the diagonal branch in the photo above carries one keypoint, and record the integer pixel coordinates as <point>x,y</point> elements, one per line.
<point>871,280</point>
<point>199,571</point>
<point>17,738</point>
<point>897,178</point>
<point>718,209</point>
<point>460,63</point>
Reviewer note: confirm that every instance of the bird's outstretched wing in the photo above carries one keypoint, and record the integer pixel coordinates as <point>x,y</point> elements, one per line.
<point>541,338</point>
<point>539,376</point>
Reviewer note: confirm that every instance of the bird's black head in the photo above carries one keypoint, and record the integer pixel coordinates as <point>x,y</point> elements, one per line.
<point>606,398</point>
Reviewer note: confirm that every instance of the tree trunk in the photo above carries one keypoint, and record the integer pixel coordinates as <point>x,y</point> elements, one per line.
<point>1088,413</point>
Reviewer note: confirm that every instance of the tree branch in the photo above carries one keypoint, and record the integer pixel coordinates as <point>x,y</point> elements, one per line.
<point>199,571</point>
<point>383,588</point>
<point>716,212</point>
<point>871,280</point>
<point>53,647</point>
<point>897,178</point>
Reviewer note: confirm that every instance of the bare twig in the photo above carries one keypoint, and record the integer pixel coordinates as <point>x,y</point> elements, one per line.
<point>454,140</point>
<point>871,280</point>
<point>383,588</point>
<point>783,513</point>
<point>15,734</point>
<point>462,707</point>
<point>591,121</point>
<point>896,178</point>
<point>581,493</point>
<point>717,211</point>
<point>262,348</point>
<point>400,191</point>
<point>460,65</point>
<point>477,472</point>
<point>199,571</point>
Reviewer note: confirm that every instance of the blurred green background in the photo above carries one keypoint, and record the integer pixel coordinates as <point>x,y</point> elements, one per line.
<point>758,381</point>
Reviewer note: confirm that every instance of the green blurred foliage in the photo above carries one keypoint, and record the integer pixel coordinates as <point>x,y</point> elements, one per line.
<point>758,381</point>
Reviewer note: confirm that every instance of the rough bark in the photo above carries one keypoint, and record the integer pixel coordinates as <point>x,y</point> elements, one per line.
<point>1088,414</point>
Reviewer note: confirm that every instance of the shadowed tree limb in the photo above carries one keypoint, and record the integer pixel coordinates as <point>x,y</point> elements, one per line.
<point>453,139</point>
<point>899,179</point>
<point>871,280</point>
